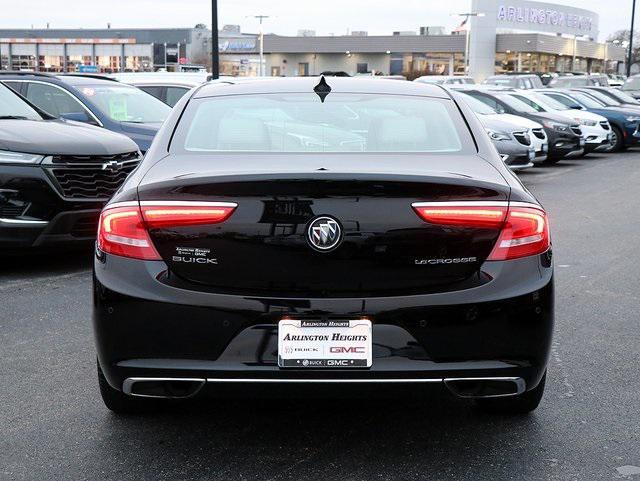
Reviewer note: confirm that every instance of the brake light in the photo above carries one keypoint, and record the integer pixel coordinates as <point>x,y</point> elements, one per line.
<point>159,215</point>
<point>462,215</point>
<point>121,232</point>
<point>525,233</point>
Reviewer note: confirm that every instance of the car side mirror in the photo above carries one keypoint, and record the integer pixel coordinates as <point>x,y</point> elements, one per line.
<point>77,117</point>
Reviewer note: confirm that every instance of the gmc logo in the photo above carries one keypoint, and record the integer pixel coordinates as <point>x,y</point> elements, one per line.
<point>347,350</point>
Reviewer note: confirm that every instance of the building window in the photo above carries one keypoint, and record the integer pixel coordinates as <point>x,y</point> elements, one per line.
<point>51,63</point>
<point>303,69</point>
<point>362,67</point>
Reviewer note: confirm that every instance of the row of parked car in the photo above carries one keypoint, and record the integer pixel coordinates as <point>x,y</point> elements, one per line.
<point>572,116</point>
<point>67,142</point>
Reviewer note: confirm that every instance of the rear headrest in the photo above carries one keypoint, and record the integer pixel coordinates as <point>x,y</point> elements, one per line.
<point>243,134</point>
<point>397,134</point>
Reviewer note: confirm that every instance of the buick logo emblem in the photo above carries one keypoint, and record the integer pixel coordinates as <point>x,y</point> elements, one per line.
<point>324,233</point>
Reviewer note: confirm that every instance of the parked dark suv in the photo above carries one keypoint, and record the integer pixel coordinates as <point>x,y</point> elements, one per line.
<point>93,100</point>
<point>55,175</point>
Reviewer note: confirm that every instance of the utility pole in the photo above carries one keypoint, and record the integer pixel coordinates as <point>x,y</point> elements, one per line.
<point>629,59</point>
<point>260,19</point>
<point>215,56</point>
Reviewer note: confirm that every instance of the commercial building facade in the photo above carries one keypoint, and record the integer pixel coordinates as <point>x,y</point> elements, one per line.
<point>101,50</point>
<point>519,36</point>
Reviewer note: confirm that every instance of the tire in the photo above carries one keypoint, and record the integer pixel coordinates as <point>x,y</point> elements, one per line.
<point>121,403</point>
<point>618,143</point>
<point>522,404</point>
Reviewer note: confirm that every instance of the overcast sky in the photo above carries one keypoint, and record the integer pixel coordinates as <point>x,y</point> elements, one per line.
<point>378,17</point>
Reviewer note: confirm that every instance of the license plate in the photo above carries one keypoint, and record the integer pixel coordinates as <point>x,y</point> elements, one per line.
<point>545,148</point>
<point>324,344</point>
<point>532,154</point>
<point>581,142</point>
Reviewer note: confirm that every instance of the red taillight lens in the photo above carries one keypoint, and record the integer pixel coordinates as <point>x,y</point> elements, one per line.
<point>525,233</point>
<point>121,231</point>
<point>462,215</point>
<point>159,215</point>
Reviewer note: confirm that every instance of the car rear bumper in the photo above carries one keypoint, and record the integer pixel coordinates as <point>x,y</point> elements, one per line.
<point>147,329</point>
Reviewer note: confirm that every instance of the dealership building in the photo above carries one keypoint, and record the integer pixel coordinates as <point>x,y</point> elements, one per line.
<point>504,36</point>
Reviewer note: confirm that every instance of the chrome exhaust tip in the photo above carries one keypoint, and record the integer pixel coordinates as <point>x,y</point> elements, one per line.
<point>162,387</point>
<point>485,387</point>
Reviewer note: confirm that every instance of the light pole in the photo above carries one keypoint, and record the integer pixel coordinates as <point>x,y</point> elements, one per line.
<point>215,55</point>
<point>260,19</point>
<point>633,16</point>
<point>466,36</point>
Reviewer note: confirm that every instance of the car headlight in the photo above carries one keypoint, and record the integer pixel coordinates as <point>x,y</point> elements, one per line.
<point>633,119</point>
<point>555,126</point>
<point>493,135</point>
<point>7,157</point>
<point>590,123</point>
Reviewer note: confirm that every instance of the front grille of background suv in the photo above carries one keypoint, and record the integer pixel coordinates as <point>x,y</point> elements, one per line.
<point>522,137</point>
<point>95,177</point>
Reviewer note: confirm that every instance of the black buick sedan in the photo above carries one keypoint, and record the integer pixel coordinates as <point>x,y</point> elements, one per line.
<point>55,176</point>
<point>312,231</point>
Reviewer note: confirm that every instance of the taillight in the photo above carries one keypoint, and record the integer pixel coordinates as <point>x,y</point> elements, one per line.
<point>485,216</point>
<point>123,230</point>
<point>524,231</point>
<point>159,215</point>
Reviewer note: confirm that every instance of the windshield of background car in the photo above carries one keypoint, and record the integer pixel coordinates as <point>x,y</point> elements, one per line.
<point>123,103</point>
<point>516,104</point>
<point>300,122</point>
<point>631,84</point>
<point>623,97</point>
<point>548,102</point>
<point>500,81</point>
<point>569,82</point>
<point>477,106</point>
<point>605,99</point>
<point>586,100</point>
<point>11,105</point>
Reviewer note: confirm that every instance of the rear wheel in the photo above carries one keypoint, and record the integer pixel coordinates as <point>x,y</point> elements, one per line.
<point>617,140</point>
<point>520,404</point>
<point>121,403</point>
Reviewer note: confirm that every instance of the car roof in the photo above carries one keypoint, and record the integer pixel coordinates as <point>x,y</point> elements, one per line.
<point>184,79</point>
<point>337,84</point>
<point>512,75</point>
<point>85,80</point>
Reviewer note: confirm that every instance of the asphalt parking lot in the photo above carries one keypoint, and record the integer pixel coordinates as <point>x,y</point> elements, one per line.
<point>53,424</point>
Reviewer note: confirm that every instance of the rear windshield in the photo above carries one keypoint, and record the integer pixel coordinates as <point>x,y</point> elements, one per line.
<point>292,122</point>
